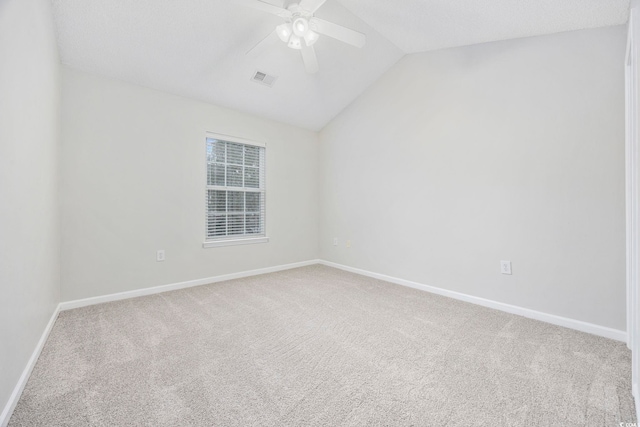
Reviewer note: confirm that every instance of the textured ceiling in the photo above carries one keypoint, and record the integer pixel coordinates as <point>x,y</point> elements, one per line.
<point>196,48</point>
<point>421,25</point>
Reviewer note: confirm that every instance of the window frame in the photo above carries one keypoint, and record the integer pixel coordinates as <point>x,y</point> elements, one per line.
<point>262,171</point>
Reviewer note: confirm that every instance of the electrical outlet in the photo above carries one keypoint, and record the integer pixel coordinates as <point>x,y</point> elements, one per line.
<point>505,267</point>
<point>160,255</point>
<point>348,243</point>
<point>335,241</point>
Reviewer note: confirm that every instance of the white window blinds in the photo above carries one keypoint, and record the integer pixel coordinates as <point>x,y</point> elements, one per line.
<point>235,190</point>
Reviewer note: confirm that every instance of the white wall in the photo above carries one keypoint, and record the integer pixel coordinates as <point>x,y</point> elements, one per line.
<point>452,161</point>
<point>460,158</point>
<point>133,182</point>
<point>29,221</point>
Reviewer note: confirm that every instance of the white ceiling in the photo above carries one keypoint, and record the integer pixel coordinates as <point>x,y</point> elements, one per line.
<point>422,25</point>
<point>196,48</point>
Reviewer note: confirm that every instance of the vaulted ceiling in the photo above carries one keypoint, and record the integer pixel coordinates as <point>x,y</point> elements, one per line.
<point>196,48</point>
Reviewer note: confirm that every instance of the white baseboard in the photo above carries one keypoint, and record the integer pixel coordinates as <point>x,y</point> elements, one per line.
<point>22,382</point>
<point>68,305</point>
<point>634,393</point>
<point>578,325</point>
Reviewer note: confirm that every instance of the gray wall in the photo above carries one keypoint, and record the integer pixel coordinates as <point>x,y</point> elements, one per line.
<point>460,158</point>
<point>29,221</point>
<point>133,182</point>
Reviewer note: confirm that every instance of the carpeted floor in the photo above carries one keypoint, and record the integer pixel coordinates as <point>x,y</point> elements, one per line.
<point>317,346</point>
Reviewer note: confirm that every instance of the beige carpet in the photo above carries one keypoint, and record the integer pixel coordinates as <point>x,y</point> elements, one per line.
<point>317,346</point>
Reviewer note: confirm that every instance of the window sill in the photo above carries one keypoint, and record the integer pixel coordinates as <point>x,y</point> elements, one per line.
<point>230,242</point>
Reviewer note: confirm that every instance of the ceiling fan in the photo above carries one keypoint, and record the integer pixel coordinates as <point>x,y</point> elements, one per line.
<point>302,29</point>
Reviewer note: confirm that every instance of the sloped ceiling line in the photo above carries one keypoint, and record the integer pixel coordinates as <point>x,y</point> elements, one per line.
<point>196,48</point>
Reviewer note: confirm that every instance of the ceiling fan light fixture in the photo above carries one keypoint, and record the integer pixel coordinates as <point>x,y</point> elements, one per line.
<point>300,27</point>
<point>295,42</point>
<point>284,32</point>
<point>311,37</point>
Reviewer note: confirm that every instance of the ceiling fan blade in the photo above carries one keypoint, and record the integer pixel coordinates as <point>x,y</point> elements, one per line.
<point>309,58</point>
<point>263,44</point>
<point>311,5</point>
<point>338,32</point>
<point>267,7</point>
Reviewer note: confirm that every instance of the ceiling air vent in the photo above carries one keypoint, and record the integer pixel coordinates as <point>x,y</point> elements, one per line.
<point>264,78</point>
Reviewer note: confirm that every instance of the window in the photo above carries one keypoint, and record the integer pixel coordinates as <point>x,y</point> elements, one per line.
<point>235,191</point>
